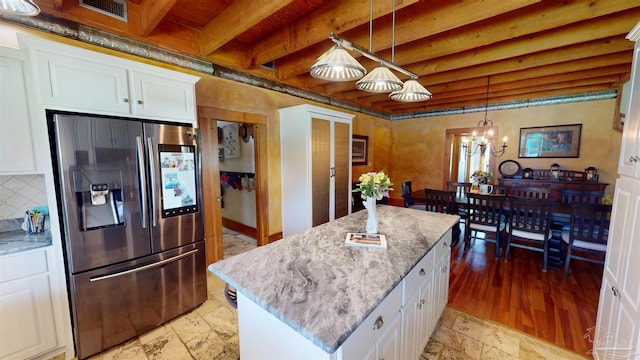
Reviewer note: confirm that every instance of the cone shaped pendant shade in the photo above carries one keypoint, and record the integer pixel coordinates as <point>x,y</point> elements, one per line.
<point>19,7</point>
<point>379,80</point>
<point>412,91</point>
<point>337,65</point>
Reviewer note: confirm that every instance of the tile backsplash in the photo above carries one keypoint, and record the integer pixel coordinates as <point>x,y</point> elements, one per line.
<point>19,193</point>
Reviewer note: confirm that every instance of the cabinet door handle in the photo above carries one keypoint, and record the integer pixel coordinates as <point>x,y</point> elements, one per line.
<point>615,290</point>
<point>634,159</point>
<point>125,100</point>
<point>422,272</point>
<point>140,102</point>
<point>378,324</point>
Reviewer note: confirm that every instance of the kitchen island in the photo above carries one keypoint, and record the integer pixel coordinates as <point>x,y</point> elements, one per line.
<point>307,294</point>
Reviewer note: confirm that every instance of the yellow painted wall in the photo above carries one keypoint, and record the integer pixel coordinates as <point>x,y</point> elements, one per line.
<point>418,144</point>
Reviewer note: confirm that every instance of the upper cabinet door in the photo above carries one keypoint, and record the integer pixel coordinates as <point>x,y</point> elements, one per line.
<point>162,97</point>
<point>73,83</point>
<point>16,147</point>
<point>75,79</point>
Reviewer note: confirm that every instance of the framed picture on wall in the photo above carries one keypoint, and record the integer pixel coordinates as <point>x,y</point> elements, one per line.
<point>359,149</point>
<point>561,141</point>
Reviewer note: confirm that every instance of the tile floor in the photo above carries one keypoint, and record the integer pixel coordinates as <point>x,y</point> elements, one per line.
<point>210,332</point>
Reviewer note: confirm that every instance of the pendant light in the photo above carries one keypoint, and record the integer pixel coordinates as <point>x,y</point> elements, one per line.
<point>337,65</point>
<point>381,79</point>
<point>19,7</point>
<point>412,91</point>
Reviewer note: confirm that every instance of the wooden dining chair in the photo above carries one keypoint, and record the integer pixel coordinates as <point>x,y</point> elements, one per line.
<point>534,192</point>
<point>443,202</point>
<point>485,214</point>
<point>569,196</point>
<point>587,233</point>
<point>460,189</point>
<point>406,191</point>
<point>529,225</point>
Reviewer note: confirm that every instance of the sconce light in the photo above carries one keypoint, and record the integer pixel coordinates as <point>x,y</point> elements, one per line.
<point>591,174</point>
<point>555,170</point>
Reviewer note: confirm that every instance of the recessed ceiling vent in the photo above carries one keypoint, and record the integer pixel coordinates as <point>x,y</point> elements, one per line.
<point>114,8</point>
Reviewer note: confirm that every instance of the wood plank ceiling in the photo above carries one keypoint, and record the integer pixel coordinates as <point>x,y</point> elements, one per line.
<point>527,49</point>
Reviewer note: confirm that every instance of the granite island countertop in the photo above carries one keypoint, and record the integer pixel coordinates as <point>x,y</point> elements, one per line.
<point>322,289</point>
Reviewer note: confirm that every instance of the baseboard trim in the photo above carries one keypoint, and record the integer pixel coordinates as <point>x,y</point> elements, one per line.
<point>240,227</point>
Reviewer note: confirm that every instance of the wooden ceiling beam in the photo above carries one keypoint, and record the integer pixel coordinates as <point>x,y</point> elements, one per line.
<point>152,12</point>
<point>410,26</point>
<point>235,20</point>
<point>532,61</point>
<point>573,35</point>
<point>337,16</point>
<point>537,24</point>
<point>582,32</point>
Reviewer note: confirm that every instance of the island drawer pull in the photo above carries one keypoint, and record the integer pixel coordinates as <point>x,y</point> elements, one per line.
<point>378,324</point>
<point>422,272</point>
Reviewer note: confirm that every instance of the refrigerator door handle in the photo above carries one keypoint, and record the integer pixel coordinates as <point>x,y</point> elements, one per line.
<point>143,181</point>
<point>152,180</point>
<point>145,267</point>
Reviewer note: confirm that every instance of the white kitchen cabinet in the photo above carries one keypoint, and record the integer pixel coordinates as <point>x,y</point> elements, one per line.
<point>316,166</point>
<point>618,322</point>
<point>417,309</point>
<point>74,79</point>
<point>441,280</point>
<point>28,327</point>
<point>388,345</point>
<point>16,146</point>
<point>617,331</point>
<point>426,290</point>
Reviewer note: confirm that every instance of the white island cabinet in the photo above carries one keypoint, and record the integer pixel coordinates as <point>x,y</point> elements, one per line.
<point>308,296</point>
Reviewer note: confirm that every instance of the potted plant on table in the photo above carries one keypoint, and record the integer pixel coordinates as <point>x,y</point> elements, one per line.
<point>482,178</point>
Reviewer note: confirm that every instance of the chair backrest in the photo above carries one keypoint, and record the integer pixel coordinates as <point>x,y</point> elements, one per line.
<point>459,188</point>
<point>569,196</point>
<point>406,190</point>
<point>530,215</point>
<point>485,209</point>
<point>441,201</point>
<point>534,192</point>
<point>589,223</point>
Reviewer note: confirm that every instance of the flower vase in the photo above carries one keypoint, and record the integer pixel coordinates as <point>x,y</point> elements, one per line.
<point>372,219</point>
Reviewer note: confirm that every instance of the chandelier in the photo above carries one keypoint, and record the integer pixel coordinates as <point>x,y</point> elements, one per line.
<point>482,136</point>
<point>338,65</point>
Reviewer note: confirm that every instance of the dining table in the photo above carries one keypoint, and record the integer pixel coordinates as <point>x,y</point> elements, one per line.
<point>561,216</point>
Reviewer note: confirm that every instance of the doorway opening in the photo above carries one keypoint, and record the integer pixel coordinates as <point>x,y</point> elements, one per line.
<point>462,156</point>
<point>226,136</point>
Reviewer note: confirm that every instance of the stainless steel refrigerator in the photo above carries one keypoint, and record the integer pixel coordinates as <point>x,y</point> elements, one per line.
<point>133,226</point>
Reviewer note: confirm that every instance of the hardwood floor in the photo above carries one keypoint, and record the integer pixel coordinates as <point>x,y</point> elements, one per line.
<point>519,295</point>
